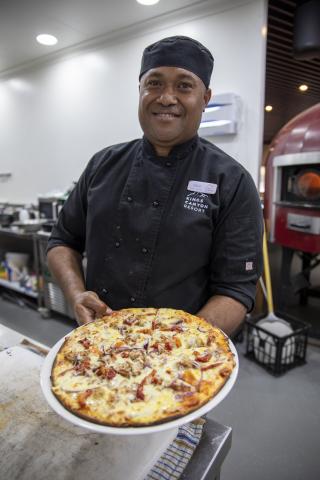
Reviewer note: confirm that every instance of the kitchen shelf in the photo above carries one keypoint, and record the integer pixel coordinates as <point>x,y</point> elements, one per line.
<point>16,287</point>
<point>19,233</point>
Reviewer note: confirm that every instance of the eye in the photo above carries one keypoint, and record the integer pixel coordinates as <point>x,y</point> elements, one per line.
<point>153,83</point>
<point>185,86</point>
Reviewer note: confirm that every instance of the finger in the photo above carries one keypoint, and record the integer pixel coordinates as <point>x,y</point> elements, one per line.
<point>105,309</point>
<point>92,301</point>
<point>83,314</point>
<point>108,311</point>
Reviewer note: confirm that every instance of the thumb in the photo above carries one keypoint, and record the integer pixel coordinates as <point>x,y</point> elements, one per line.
<point>83,314</point>
<point>98,306</point>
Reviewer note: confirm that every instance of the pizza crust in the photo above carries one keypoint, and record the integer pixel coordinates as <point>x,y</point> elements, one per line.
<point>141,367</point>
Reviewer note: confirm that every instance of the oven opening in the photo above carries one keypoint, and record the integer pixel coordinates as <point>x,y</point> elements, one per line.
<point>301,184</point>
<point>308,184</point>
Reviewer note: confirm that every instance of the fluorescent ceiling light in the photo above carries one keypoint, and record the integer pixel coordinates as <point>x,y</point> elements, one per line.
<point>303,88</point>
<point>268,108</point>
<point>148,2</point>
<point>215,123</point>
<point>46,39</point>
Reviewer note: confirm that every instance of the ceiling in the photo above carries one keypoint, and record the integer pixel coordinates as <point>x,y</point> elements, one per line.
<point>76,22</point>
<point>71,21</point>
<point>284,73</point>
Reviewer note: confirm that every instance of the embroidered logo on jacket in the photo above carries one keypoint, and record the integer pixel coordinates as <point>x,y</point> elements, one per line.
<point>197,202</point>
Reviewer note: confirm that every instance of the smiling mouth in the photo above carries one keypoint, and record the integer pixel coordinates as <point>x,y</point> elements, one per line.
<point>166,115</point>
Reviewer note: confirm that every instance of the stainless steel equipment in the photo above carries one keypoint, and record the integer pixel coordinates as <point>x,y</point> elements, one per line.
<point>50,294</point>
<point>49,207</point>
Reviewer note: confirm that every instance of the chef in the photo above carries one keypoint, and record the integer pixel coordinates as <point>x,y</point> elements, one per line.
<point>168,220</point>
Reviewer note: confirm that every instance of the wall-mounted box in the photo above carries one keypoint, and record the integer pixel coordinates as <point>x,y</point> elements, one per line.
<point>5,176</point>
<point>221,117</point>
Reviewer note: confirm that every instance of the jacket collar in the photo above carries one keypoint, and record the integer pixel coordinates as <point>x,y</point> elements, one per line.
<point>178,151</point>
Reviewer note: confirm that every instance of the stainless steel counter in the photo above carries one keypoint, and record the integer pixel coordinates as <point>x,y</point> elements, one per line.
<point>206,462</point>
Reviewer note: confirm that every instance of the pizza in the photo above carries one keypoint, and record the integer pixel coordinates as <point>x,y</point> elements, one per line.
<point>141,366</point>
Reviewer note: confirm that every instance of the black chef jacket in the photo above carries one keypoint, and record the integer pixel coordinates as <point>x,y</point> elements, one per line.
<point>165,231</point>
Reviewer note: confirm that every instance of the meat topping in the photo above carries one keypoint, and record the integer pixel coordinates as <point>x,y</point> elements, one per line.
<point>213,365</point>
<point>140,392</point>
<point>204,357</point>
<point>82,397</point>
<point>130,320</point>
<point>82,366</point>
<point>85,343</point>
<point>179,386</point>
<point>106,372</point>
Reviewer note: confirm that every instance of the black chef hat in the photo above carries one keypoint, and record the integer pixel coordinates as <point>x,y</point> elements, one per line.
<point>181,52</point>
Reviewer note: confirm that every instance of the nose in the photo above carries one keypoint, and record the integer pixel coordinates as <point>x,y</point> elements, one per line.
<point>167,97</point>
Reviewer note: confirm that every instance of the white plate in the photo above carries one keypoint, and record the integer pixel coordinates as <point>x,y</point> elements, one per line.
<point>54,403</point>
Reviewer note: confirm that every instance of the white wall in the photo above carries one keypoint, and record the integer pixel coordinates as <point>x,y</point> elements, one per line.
<point>54,116</point>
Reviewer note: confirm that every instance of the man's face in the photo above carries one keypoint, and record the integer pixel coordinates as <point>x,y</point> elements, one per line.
<point>170,106</point>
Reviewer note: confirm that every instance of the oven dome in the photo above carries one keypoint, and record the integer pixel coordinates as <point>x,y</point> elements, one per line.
<point>300,135</point>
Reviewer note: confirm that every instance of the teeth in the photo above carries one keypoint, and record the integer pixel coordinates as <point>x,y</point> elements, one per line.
<point>165,115</point>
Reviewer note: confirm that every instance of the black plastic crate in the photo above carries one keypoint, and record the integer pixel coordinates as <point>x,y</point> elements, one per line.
<point>274,353</point>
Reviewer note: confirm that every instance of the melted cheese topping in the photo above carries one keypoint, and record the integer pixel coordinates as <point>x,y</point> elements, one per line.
<point>141,366</point>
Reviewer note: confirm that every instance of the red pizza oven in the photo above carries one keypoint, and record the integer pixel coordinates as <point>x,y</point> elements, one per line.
<point>292,190</point>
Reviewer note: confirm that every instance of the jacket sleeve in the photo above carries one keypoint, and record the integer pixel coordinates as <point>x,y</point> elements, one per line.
<point>236,257</point>
<point>70,229</point>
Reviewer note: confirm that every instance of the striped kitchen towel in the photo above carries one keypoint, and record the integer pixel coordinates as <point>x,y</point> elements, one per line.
<point>175,459</point>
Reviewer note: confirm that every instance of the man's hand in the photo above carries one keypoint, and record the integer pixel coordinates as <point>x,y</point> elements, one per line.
<point>65,265</point>
<point>87,307</point>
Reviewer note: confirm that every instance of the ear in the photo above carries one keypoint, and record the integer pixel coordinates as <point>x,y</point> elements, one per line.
<point>207,96</point>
